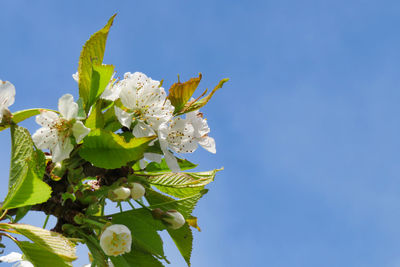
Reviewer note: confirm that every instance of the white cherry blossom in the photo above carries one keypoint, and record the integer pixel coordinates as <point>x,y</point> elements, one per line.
<point>201,131</point>
<point>16,257</point>
<point>146,102</point>
<point>56,131</point>
<point>174,219</point>
<point>137,191</point>
<point>119,194</point>
<point>7,97</point>
<point>184,136</point>
<point>116,240</point>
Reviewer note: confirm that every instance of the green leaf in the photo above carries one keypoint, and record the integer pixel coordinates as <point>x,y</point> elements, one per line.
<point>182,184</point>
<point>99,258</point>
<point>154,168</point>
<point>180,93</point>
<point>22,115</point>
<point>137,258</point>
<point>143,228</point>
<point>120,261</point>
<point>199,103</point>
<point>96,118</point>
<point>105,149</point>
<point>110,120</point>
<point>81,109</point>
<point>101,76</point>
<point>51,241</point>
<point>39,256</point>
<point>183,239</point>
<point>27,169</point>
<point>184,205</point>
<point>92,53</point>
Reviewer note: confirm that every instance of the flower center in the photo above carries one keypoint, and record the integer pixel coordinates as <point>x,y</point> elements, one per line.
<point>64,128</point>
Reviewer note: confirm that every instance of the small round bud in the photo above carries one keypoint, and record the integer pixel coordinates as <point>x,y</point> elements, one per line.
<point>137,191</point>
<point>58,171</point>
<point>119,194</point>
<point>93,209</point>
<point>174,219</point>
<point>79,218</point>
<point>116,240</point>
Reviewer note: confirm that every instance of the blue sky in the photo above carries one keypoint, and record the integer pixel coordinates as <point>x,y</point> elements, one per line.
<point>307,128</point>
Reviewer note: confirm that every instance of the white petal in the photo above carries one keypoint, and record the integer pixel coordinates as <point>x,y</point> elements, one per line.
<point>171,161</point>
<point>175,219</point>
<point>119,194</point>
<point>123,117</point>
<point>137,191</point>
<point>12,257</point>
<point>142,163</point>
<point>47,118</point>
<point>141,129</point>
<point>7,94</point>
<point>208,143</point>
<point>128,96</point>
<point>62,150</point>
<point>112,90</point>
<point>45,138</point>
<point>23,264</point>
<point>75,76</point>
<point>67,107</point>
<point>153,157</point>
<point>162,136</point>
<point>80,131</point>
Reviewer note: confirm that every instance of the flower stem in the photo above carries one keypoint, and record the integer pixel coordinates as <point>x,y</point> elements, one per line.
<point>4,214</point>
<point>93,222</point>
<point>143,206</point>
<point>45,221</point>
<point>130,204</point>
<point>120,206</point>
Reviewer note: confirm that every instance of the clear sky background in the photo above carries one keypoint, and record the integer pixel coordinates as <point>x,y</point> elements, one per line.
<point>308,127</point>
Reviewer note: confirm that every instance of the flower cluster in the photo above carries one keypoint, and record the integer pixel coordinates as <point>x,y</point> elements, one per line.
<point>119,141</point>
<point>147,107</point>
<point>147,111</point>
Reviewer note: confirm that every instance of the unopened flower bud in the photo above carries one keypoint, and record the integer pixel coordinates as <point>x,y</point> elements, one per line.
<point>119,194</point>
<point>116,240</point>
<point>137,191</point>
<point>58,171</point>
<point>174,219</point>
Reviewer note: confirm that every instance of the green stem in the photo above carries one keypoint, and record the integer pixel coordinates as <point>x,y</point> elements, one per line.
<point>103,203</point>
<point>130,204</point>
<point>143,206</point>
<point>93,222</point>
<point>4,214</point>
<point>120,206</point>
<point>45,221</point>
